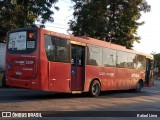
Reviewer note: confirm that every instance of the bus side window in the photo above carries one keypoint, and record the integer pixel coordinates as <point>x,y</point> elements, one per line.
<point>121,59</point>
<point>61,57</point>
<point>131,61</point>
<point>141,62</point>
<point>49,48</point>
<point>109,57</point>
<point>94,55</point>
<point>57,49</point>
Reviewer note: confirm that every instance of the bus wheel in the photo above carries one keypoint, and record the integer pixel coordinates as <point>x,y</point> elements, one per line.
<point>139,86</point>
<point>94,88</point>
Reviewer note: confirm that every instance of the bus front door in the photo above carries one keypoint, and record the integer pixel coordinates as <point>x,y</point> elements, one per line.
<point>148,73</point>
<point>77,67</point>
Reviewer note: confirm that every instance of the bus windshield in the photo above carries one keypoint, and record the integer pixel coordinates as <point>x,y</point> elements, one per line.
<point>22,42</point>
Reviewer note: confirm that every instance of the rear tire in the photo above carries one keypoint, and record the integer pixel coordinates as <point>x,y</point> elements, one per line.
<point>139,86</point>
<point>95,88</point>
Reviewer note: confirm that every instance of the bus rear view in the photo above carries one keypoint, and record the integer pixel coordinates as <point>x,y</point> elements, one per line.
<point>22,58</point>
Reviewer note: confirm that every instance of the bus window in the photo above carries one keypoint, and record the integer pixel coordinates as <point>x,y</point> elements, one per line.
<point>94,55</point>
<point>121,59</point>
<point>109,57</point>
<point>131,61</point>
<point>57,49</point>
<point>21,42</point>
<point>141,62</point>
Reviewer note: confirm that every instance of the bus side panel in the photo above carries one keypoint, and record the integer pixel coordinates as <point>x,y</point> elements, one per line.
<point>109,78</point>
<point>151,83</point>
<point>93,72</point>
<point>43,72</point>
<point>132,77</point>
<point>43,63</point>
<point>59,77</point>
<point>142,75</point>
<point>135,76</point>
<point>120,79</point>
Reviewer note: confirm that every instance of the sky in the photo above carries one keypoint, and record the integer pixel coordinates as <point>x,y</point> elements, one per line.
<point>149,32</point>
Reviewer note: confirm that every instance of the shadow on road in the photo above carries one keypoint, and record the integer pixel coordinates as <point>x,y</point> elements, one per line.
<point>18,95</point>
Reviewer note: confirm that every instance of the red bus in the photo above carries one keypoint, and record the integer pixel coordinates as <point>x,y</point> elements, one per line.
<point>45,60</point>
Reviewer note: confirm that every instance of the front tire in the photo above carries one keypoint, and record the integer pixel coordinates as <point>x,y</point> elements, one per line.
<point>95,88</point>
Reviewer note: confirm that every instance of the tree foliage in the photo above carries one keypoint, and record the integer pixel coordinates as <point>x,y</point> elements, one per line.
<point>156,60</point>
<point>114,21</point>
<point>23,13</point>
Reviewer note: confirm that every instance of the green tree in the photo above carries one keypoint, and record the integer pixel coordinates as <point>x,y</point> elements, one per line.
<point>114,21</point>
<point>156,60</point>
<point>23,13</point>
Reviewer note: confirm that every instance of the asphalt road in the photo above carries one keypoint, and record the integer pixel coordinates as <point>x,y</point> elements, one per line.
<point>121,103</point>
